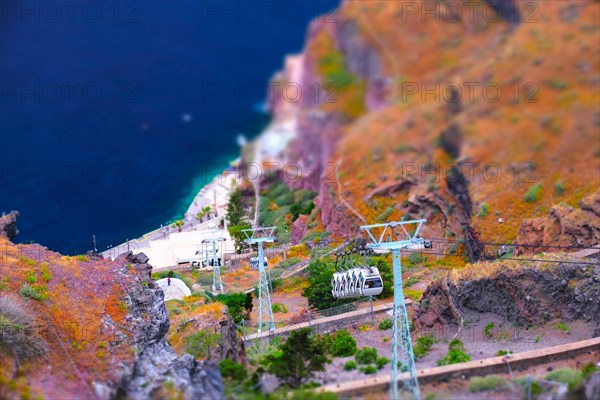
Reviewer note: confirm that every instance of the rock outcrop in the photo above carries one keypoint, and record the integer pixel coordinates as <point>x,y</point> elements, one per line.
<point>522,295</point>
<point>8,225</point>
<point>156,363</point>
<point>564,226</point>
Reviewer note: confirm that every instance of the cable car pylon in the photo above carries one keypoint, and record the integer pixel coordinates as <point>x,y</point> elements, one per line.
<point>259,236</point>
<point>394,237</point>
<point>217,285</point>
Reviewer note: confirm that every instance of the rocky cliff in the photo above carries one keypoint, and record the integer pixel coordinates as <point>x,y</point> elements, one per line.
<point>526,295</point>
<point>404,122</point>
<point>101,326</point>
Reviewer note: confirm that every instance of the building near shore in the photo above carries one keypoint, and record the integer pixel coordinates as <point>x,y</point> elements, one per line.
<point>183,247</point>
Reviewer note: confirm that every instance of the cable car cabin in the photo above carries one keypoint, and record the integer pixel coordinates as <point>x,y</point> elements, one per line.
<point>373,286</point>
<point>356,282</point>
<point>254,263</point>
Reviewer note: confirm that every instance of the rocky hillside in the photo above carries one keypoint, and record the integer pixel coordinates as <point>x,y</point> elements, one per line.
<point>482,119</point>
<point>525,294</point>
<point>82,326</point>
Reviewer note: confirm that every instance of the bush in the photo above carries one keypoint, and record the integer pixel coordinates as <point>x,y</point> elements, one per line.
<point>422,345</point>
<point>342,344</point>
<point>503,353</point>
<point>381,362</point>
<point>279,308</point>
<point>409,282</point>
<point>34,292</point>
<point>289,262</point>
<point>588,369</point>
<point>484,210</point>
<point>384,215</point>
<point>488,329</point>
<point>561,326</point>
<point>571,377</point>
<point>533,194</point>
<point>559,188</point>
<point>386,324</point>
<point>349,365</point>
<point>366,355</point>
<point>482,384</point>
<point>232,370</point>
<point>415,258</point>
<point>369,370</point>
<point>456,354</point>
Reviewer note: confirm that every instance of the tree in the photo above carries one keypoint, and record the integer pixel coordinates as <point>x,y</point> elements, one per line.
<point>235,303</point>
<point>298,358</point>
<point>248,303</point>
<point>202,213</point>
<point>235,208</point>
<point>238,236</point>
<point>178,224</point>
<point>318,291</point>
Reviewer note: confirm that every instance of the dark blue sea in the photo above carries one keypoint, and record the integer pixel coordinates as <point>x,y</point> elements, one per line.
<point>113,112</point>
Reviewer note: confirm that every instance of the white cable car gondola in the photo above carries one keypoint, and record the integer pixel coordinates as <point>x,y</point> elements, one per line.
<point>254,263</point>
<point>355,280</point>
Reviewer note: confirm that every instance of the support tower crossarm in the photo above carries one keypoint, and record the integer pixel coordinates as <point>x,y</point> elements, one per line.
<point>394,237</point>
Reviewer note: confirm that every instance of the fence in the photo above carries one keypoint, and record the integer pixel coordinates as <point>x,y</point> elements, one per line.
<point>355,314</point>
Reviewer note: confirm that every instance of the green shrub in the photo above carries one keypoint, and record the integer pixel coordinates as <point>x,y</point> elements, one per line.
<point>536,388</point>
<point>342,344</point>
<point>34,292</point>
<point>483,384</point>
<point>484,210</point>
<point>561,326</point>
<point>571,377</point>
<point>205,280</point>
<point>384,215</point>
<point>279,308</point>
<point>289,262</point>
<point>232,370</point>
<point>559,188</point>
<point>409,282</point>
<point>349,365</point>
<point>415,258</point>
<point>456,354</point>
<point>366,355</point>
<point>533,194</point>
<point>422,345</point>
<point>588,369</point>
<point>503,353</point>
<point>488,329</point>
<point>386,324</point>
<point>31,277</point>
<point>369,370</point>
<point>381,362</point>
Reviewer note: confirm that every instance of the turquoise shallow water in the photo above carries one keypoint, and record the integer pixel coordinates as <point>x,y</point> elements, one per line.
<point>108,118</point>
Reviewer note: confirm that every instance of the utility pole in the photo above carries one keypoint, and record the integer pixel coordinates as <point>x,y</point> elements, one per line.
<point>265,312</point>
<point>392,239</point>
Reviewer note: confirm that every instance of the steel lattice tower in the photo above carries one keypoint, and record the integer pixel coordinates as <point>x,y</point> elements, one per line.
<point>265,312</point>
<point>217,281</point>
<point>402,350</point>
